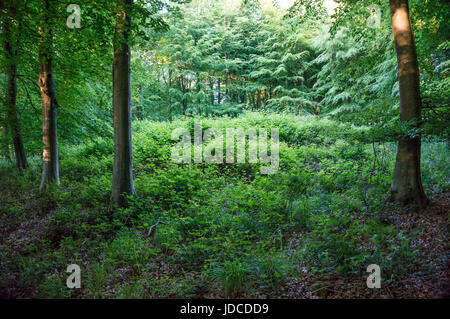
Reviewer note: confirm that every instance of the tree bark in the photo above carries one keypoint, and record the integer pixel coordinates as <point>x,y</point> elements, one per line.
<point>211,86</point>
<point>407,184</point>
<point>50,170</point>
<point>11,93</point>
<point>169,95</point>
<point>139,108</point>
<point>219,98</point>
<point>123,155</point>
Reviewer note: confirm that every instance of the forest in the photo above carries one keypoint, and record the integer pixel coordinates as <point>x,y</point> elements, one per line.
<point>212,149</point>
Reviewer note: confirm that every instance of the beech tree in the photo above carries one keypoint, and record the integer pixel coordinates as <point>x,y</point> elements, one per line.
<point>10,47</point>
<point>50,171</point>
<point>407,184</point>
<point>122,184</point>
<point>406,187</point>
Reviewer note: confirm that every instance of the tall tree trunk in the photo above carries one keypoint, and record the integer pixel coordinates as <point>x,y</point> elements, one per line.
<point>11,93</point>
<point>407,185</point>
<point>123,155</point>
<point>50,170</point>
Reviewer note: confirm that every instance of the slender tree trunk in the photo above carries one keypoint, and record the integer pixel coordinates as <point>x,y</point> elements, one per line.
<point>218,91</point>
<point>227,92</point>
<point>123,155</point>
<point>258,99</point>
<point>211,85</point>
<point>50,170</point>
<point>4,144</point>
<point>183,88</point>
<point>169,95</point>
<point>227,76</point>
<point>11,95</point>
<point>139,111</point>
<point>198,100</point>
<point>407,185</point>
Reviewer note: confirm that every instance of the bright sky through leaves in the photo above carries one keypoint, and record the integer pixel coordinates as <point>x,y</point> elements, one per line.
<point>285,4</point>
<point>329,4</point>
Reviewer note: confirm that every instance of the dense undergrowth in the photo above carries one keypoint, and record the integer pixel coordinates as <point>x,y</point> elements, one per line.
<point>217,230</point>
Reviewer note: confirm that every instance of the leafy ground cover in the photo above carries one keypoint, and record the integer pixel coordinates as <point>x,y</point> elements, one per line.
<point>225,230</point>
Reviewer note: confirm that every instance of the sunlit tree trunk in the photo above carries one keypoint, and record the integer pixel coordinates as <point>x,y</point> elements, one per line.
<point>123,156</point>
<point>50,170</point>
<point>11,93</point>
<point>407,185</point>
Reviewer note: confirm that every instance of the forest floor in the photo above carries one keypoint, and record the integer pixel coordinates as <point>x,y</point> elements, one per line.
<point>432,238</point>
<point>222,231</point>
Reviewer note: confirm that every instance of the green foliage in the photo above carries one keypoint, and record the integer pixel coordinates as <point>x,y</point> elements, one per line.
<point>232,276</point>
<point>228,228</point>
<point>128,248</point>
<point>201,230</point>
